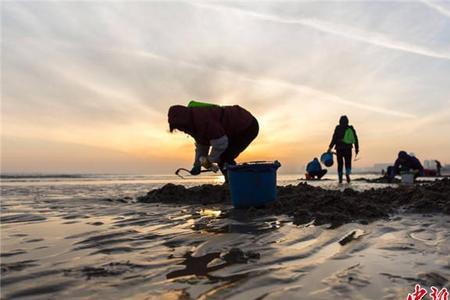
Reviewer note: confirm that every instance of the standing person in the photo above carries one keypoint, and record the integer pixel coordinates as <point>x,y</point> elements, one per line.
<point>314,169</point>
<point>227,130</point>
<point>438,167</point>
<point>344,137</point>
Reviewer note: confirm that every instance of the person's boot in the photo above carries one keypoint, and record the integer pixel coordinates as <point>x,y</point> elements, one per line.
<point>224,170</point>
<point>348,171</point>
<point>340,178</point>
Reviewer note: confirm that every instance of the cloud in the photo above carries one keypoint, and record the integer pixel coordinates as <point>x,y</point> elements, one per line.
<point>372,38</point>
<point>283,84</point>
<point>440,9</point>
<point>327,97</point>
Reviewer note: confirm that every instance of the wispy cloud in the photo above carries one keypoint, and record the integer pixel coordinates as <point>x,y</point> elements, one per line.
<point>373,38</point>
<point>440,9</point>
<point>328,97</point>
<point>283,84</point>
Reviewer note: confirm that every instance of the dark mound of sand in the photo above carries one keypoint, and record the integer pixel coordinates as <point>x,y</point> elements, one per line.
<point>202,194</point>
<point>307,203</point>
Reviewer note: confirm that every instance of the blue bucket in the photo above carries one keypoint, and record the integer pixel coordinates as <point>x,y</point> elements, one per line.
<point>253,183</point>
<point>327,159</point>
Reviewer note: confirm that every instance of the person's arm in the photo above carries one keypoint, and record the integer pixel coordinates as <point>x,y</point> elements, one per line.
<point>218,146</point>
<point>200,150</point>
<point>218,140</point>
<point>356,141</point>
<point>333,140</point>
<point>396,167</point>
<point>419,165</point>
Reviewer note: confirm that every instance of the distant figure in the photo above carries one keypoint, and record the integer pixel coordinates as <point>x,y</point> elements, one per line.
<point>438,168</point>
<point>228,130</point>
<point>344,138</point>
<point>314,169</point>
<point>406,163</point>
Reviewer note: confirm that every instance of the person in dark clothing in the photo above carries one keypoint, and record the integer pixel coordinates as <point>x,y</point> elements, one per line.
<point>227,130</point>
<point>406,163</point>
<point>314,169</point>
<point>344,137</point>
<point>438,168</point>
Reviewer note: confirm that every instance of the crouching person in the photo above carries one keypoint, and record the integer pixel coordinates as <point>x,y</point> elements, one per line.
<point>314,170</point>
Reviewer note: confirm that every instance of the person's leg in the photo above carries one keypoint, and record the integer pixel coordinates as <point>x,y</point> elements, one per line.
<point>340,164</point>
<point>226,160</point>
<point>222,166</point>
<point>236,146</point>
<point>390,172</point>
<point>322,173</point>
<point>314,174</point>
<point>348,163</point>
<point>246,138</point>
<point>418,173</point>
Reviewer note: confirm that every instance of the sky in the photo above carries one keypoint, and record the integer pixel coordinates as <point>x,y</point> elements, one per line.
<point>86,85</point>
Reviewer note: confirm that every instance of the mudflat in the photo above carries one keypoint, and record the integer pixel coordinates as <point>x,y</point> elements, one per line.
<point>69,240</point>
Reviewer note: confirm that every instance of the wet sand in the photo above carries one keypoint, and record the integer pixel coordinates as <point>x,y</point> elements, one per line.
<point>64,246</point>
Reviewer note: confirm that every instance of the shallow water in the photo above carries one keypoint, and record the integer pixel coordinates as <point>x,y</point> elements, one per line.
<point>69,237</point>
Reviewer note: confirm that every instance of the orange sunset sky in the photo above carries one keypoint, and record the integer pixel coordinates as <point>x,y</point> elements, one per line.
<point>86,85</point>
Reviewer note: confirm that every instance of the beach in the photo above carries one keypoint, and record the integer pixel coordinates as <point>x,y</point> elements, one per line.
<point>82,238</point>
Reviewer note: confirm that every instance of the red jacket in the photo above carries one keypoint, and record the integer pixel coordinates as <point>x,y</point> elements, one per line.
<point>209,123</point>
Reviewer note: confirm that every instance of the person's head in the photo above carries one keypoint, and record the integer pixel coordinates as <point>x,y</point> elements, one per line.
<point>179,118</point>
<point>343,121</point>
<point>316,159</point>
<point>402,155</point>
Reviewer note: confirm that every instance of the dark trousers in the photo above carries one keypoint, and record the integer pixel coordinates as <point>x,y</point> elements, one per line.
<point>318,174</point>
<point>344,156</point>
<point>238,144</point>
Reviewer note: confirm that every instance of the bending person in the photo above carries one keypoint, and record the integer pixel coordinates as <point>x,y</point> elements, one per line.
<point>227,130</point>
<point>406,163</point>
<point>344,137</point>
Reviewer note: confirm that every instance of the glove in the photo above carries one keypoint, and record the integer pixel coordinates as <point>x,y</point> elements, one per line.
<point>208,165</point>
<point>204,161</point>
<point>196,170</point>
